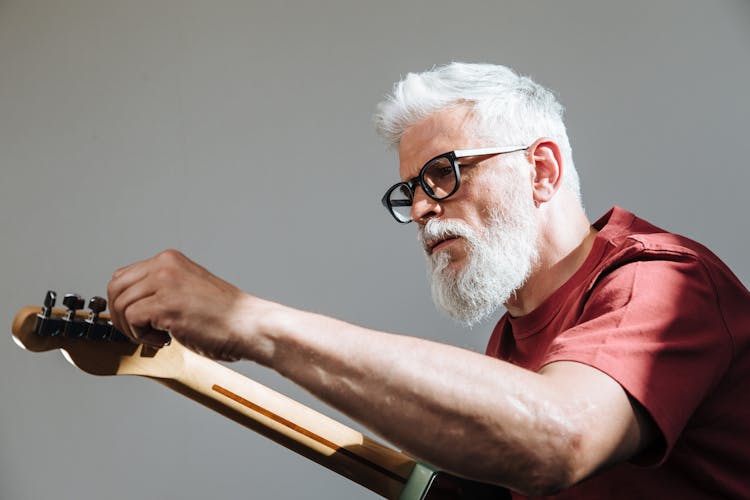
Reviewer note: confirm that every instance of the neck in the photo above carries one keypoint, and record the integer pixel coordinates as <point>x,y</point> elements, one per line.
<point>565,240</point>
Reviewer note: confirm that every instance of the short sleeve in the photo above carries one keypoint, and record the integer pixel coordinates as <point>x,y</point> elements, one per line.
<point>655,327</point>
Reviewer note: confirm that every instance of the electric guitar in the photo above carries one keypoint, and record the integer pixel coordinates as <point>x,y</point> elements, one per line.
<point>89,341</point>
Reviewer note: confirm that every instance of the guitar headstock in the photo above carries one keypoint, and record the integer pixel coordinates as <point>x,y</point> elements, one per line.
<point>89,341</point>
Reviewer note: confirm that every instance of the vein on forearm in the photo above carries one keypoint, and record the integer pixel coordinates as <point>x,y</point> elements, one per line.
<point>462,411</point>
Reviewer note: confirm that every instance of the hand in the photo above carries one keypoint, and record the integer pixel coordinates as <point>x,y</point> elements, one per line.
<point>171,293</point>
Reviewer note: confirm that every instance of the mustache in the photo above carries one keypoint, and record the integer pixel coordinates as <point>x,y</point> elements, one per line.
<point>437,230</point>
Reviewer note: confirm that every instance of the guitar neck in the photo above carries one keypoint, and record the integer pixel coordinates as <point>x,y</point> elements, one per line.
<point>90,342</point>
<point>305,431</point>
<point>97,348</point>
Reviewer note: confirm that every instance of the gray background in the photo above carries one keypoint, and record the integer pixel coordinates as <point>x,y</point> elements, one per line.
<point>240,133</point>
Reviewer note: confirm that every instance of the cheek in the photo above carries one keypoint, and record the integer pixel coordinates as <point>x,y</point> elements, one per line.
<point>508,197</point>
<point>487,196</point>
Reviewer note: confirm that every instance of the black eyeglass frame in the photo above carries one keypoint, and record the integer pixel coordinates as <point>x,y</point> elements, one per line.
<point>453,157</point>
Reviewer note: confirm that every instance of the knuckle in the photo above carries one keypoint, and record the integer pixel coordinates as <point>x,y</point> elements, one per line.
<point>165,274</point>
<point>116,273</point>
<point>169,255</point>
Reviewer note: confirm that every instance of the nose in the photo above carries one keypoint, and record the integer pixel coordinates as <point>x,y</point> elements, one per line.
<point>423,207</point>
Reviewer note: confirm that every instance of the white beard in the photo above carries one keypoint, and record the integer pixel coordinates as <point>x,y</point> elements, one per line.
<point>499,260</point>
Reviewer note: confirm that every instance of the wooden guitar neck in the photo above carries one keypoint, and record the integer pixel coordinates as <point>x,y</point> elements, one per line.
<point>91,343</point>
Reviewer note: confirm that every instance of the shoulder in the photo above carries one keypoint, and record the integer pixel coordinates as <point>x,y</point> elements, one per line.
<point>649,260</point>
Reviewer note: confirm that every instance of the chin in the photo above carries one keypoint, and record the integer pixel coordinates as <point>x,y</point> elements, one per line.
<point>449,264</point>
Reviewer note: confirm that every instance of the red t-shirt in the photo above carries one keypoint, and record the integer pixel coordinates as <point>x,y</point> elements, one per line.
<point>665,318</point>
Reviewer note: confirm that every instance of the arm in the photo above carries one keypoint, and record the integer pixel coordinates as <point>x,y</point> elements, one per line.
<point>467,413</point>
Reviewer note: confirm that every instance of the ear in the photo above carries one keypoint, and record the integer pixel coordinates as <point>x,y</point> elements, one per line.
<point>547,169</point>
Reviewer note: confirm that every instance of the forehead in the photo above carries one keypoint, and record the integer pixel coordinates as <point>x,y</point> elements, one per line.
<point>443,131</point>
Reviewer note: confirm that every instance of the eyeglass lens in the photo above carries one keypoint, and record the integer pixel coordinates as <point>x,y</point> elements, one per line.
<point>439,181</point>
<point>400,201</point>
<point>439,178</point>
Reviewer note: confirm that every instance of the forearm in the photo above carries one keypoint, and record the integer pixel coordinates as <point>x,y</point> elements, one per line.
<point>467,413</point>
<point>464,412</point>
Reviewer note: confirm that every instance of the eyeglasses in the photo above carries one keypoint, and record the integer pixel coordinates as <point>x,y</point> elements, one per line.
<point>440,178</point>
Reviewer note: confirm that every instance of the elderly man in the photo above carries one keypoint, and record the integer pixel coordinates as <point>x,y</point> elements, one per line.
<point>617,371</point>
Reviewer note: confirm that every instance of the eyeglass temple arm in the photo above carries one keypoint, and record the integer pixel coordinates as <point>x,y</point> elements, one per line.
<point>462,153</point>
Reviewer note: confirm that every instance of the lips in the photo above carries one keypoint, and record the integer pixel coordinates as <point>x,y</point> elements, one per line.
<point>432,245</point>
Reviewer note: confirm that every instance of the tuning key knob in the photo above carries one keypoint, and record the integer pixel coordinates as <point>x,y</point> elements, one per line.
<point>46,325</point>
<point>73,328</point>
<point>97,305</point>
<point>49,303</point>
<point>73,302</point>
<point>97,330</point>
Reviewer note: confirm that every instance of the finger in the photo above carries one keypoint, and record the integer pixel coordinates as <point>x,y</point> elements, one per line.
<point>126,280</point>
<point>127,268</point>
<point>126,276</point>
<point>120,307</point>
<point>147,322</point>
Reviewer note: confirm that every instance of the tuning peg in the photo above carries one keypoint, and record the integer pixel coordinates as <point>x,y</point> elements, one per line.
<point>73,328</point>
<point>97,305</point>
<point>46,325</point>
<point>49,303</point>
<point>73,302</point>
<point>95,329</point>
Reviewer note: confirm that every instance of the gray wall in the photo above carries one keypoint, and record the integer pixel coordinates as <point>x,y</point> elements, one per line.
<point>239,132</point>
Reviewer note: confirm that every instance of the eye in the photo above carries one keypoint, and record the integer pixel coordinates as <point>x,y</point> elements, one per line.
<point>442,172</point>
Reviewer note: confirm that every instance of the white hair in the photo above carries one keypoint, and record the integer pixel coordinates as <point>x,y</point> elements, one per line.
<point>508,108</point>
